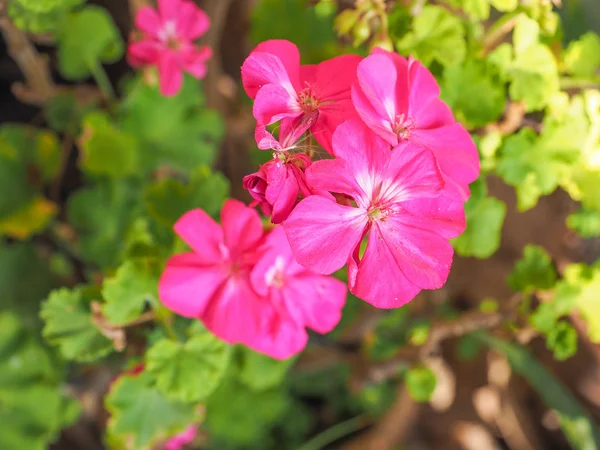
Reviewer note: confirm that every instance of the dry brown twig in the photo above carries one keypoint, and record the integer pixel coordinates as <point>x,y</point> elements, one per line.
<point>39,86</point>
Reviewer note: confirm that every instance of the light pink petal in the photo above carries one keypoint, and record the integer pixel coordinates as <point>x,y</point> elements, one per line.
<point>335,77</point>
<point>265,140</point>
<point>323,234</point>
<point>273,103</point>
<point>168,9</point>
<point>179,440</point>
<point>187,285</point>
<point>148,21</point>
<point>360,148</point>
<point>261,69</point>
<point>144,52</point>
<point>236,313</point>
<point>412,173</point>
<point>192,22</point>
<point>423,255</point>
<point>288,54</point>
<point>170,74</point>
<point>194,62</point>
<point>202,234</point>
<point>377,278</point>
<point>443,215</point>
<point>242,227</point>
<point>291,129</point>
<point>454,150</point>
<point>377,77</point>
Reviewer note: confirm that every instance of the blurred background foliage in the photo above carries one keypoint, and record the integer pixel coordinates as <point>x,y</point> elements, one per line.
<point>96,166</point>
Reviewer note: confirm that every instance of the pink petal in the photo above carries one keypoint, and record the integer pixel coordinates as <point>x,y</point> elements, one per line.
<point>335,77</point>
<point>454,150</point>
<point>168,9</point>
<point>242,227</point>
<point>422,255</point>
<point>273,103</point>
<point>261,69</point>
<point>377,279</point>
<point>236,314</point>
<point>187,284</point>
<point>288,54</point>
<point>443,215</point>
<point>170,74</point>
<point>291,129</point>
<point>194,62</point>
<point>185,437</point>
<point>148,21</point>
<point>423,87</point>
<point>280,337</point>
<point>308,74</point>
<point>265,140</point>
<point>434,114</point>
<point>282,191</point>
<point>380,124</point>
<point>323,234</point>
<point>359,147</point>
<point>377,78</point>
<point>412,173</point>
<point>331,115</point>
<point>332,175</point>
<point>143,52</point>
<point>202,234</point>
<point>192,22</point>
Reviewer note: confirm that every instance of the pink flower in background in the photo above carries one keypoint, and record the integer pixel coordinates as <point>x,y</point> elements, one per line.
<point>168,42</point>
<point>245,286</point>
<point>300,298</point>
<point>399,100</point>
<point>186,437</point>
<point>283,89</point>
<point>396,205</point>
<point>277,185</point>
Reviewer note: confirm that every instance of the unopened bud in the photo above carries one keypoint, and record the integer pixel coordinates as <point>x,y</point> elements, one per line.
<point>345,21</point>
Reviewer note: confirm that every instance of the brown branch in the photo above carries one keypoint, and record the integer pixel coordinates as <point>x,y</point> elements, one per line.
<point>39,86</point>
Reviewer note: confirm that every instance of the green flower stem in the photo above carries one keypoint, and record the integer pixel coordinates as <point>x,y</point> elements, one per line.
<point>102,80</point>
<point>335,432</point>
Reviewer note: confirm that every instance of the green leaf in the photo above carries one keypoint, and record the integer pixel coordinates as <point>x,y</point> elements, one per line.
<point>141,415</point>
<point>534,271</point>
<point>86,39</point>
<point>505,5</point>
<point>420,382</point>
<point>188,371</point>
<point>477,9</point>
<point>64,111</point>
<point>130,290</point>
<point>578,426</point>
<point>582,57</point>
<point>437,34</point>
<point>178,131</point>
<point>68,325</point>
<point>33,218</point>
<point>40,16</point>
<point>485,216</point>
<point>101,215</point>
<point>260,372</point>
<point>167,200</point>
<point>586,222</point>
<point>562,340</point>
<point>390,334</point>
<point>475,96</point>
<point>105,150</point>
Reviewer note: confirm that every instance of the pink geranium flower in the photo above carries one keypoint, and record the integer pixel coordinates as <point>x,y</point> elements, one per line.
<point>397,207</point>
<point>167,42</point>
<point>278,184</point>
<point>399,100</point>
<point>246,287</point>
<point>285,90</point>
<point>182,439</point>
<point>300,298</point>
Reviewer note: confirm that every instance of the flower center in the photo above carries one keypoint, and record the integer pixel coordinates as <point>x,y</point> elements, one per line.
<point>275,276</point>
<point>307,99</point>
<point>403,126</point>
<point>378,213</point>
<point>168,35</point>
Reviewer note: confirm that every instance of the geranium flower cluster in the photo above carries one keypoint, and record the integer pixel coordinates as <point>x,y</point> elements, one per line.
<point>385,200</point>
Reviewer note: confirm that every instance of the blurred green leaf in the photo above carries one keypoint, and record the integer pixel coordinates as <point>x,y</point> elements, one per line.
<point>105,150</point>
<point>578,426</point>
<point>485,216</point>
<point>562,340</point>
<point>179,132</point>
<point>40,16</point>
<point>188,371</point>
<point>64,112</point>
<point>582,57</point>
<point>126,294</point>
<point>420,382</point>
<point>86,39</point>
<point>586,222</point>
<point>141,415</point>
<point>167,200</point>
<point>534,271</point>
<point>436,34</point>
<point>68,325</point>
<point>260,372</point>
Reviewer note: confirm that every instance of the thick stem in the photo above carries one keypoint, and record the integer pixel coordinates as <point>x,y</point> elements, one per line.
<point>102,80</point>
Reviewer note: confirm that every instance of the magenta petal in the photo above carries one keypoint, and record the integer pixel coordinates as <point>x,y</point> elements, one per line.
<point>169,9</point>
<point>261,69</point>
<point>194,61</point>
<point>360,148</point>
<point>335,77</point>
<point>434,114</point>
<point>170,74</point>
<point>323,234</point>
<point>423,256</point>
<point>443,215</point>
<point>332,175</point>
<point>192,22</point>
<point>143,52</point>
<point>331,115</point>
<point>187,285</point>
<point>282,191</point>
<point>454,150</point>
<point>380,124</point>
<point>148,21</point>
<point>288,54</point>
<point>423,87</point>
<point>280,337</point>
<point>202,234</point>
<point>377,279</point>
<point>377,78</point>
<point>274,103</point>
<point>242,227</point>
<point>265,140</point>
